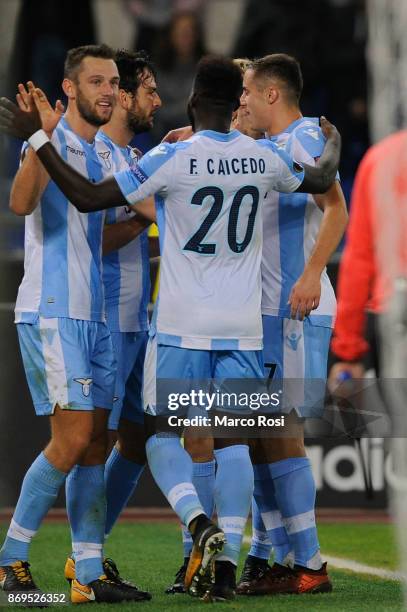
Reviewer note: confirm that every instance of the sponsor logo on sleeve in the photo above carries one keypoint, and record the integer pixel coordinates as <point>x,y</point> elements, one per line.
<point>140,175</point>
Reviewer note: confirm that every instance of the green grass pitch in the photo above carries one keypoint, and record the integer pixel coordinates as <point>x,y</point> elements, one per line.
<point>150,553</point>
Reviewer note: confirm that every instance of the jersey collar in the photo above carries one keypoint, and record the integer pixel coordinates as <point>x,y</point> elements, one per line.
<point>220,136</point>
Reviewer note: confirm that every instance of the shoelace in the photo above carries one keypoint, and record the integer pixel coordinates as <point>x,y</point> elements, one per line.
<point>22,573</point>
<point>111,568</point>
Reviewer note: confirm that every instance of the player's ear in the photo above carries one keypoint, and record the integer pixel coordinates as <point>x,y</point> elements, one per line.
<point>125,100</point>
<point>68,88</point>
<point>272,95</point>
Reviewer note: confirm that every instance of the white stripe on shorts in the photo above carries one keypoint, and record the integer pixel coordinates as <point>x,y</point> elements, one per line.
<point>55,370</point>
<point>293,362</point>
<point>150,377</point>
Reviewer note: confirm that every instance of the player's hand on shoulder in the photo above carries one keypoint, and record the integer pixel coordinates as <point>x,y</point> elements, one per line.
<point>305,295</point>
<point>178,135</point>
<point>328,129</point>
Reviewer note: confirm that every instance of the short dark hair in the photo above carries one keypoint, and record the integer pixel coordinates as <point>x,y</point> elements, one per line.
<point>283,67</point>
<point>218,81</point>
<point>132,67</point>
<point>76,56</point>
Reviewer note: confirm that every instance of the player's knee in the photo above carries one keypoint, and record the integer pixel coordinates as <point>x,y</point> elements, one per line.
<point>81,441</point>
<point>71,448</point>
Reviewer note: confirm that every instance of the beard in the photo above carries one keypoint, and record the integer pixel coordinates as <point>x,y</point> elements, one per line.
<point>138,124</point>
<point>89,113</point>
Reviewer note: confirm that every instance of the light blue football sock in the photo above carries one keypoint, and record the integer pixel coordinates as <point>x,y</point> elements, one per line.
<point>233,495</point>
<point>294,488</point>
<point>171,467</point>
<point>121,478</point>
<point>86,507</point>
<point>268,528</point>
<point>38,492</point>
<point>203,479</point>
<point>261,544</point>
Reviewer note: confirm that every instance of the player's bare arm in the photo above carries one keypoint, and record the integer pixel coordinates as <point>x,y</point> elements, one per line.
<point>32,179</point>
<point>306,292</point>
<point>319,179</point>
<point>117,235</point>
<point>178,135</point>
<point>28,185</point>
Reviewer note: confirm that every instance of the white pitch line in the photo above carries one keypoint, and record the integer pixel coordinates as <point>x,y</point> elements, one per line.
<point>354,566</point>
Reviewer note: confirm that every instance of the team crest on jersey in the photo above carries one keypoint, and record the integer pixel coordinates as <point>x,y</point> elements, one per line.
<point>160,150</point>
<point>105,155</point>
<point>86,383</point>
<point>313,133</point>
<point>292,340</point>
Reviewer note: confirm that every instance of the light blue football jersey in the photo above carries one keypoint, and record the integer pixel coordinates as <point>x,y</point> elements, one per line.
<point>63,256</point>
<point>126,272</point>
<point>210,189</point>
<point>291,224</point>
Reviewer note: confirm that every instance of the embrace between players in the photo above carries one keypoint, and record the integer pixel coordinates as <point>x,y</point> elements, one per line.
<point>233,247</point>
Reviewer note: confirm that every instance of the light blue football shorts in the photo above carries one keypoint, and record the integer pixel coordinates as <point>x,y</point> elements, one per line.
<point>183,364</point>
<point>130,350</point>
<point>298,351</point>
<point>69,363</point>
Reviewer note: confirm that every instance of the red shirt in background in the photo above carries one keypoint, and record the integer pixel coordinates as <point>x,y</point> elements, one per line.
<point>376,247</point>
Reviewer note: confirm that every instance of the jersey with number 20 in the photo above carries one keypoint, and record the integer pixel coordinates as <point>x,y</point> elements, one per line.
<point>210,191</point>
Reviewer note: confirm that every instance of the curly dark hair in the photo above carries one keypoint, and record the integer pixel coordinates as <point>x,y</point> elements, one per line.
<point>132,66</point>
<point>218,80</point>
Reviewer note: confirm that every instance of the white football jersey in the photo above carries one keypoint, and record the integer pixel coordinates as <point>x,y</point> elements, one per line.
<point>291,224</point>
<point>126,272</point>
<point>209,191</point>
<point>63,254</point>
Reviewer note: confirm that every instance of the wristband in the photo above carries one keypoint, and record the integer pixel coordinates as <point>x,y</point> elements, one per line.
<point>38,139</point>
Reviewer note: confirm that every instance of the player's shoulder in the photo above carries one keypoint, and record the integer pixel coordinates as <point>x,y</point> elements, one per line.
<point>267,144</point>
<point>307,132</point>
<point>67,140</point>
<point>103,139</point>
<point>167,150</point>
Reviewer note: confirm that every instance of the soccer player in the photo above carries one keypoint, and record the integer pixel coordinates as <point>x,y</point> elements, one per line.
<point>65,344</point>
<point>126,277</point>
<point>208,320</point>
<point>201,449</point>
<point>298,306</point>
